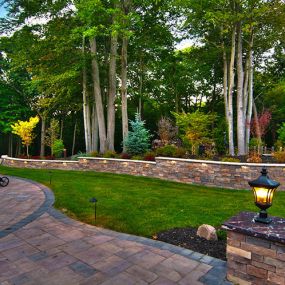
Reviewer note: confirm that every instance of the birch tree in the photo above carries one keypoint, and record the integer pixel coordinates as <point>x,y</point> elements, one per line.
<point>98,29</point>
<point>98,96</point>
<point>112,81</point>
<point>86,102</point>
<point>124,64</point>
<point>240,23</point>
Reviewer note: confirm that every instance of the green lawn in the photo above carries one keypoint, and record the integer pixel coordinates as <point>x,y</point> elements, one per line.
<point>139,205</point>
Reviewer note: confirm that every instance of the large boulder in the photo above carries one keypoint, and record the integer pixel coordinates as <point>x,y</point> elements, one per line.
<point>208,232</point>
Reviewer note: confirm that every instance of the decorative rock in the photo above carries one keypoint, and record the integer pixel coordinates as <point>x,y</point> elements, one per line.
<point>208,232</point>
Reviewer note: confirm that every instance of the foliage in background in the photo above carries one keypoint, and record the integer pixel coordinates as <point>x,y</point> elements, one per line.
<point>281,133</point>
<point>44,63</point>
<point>149,156</point>
<point>58,148</point>
<point>278,145</point>
<point>138,139</point>
<point>125,156</point>
<point>52,134</point>
<point>255,142</point>
<point>24,129</point>
<point>254,158</point>
<point>230,159</point>
<point>167,150</point>
<point>14,95</point>
<point>110,154</point>
<point>167,131</point>
<point>259,125</point>
<point>172,151</point>
<point>195,128</point>
<point>220,136</point>
<point>279,156</point>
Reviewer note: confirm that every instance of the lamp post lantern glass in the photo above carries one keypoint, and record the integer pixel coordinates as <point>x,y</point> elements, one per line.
<point>263,188</point>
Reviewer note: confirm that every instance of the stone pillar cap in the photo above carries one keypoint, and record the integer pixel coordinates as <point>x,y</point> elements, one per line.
<point>244,223</point>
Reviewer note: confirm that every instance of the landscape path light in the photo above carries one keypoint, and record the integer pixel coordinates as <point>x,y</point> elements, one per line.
<point>263,188</point>
<point>50,177</point>
<point>94,201</point>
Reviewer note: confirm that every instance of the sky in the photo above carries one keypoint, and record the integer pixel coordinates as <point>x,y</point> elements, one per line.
<point>2,12</point>
<point>184,44</point>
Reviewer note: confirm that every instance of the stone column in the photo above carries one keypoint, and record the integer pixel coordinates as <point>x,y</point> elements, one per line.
<point>255,251</point>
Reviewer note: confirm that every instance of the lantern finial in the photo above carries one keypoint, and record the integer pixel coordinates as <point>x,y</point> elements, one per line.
<point>264,171</point>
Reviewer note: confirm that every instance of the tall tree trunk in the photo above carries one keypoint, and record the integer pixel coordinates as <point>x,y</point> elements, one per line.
<point>245,85</point>
<point>249,107</point>
<point>86,104</point>
<point>43,131</point>
<point>18,148</point>
<point>125,125</point>
<point>126,5</point>
<point>175,93</point>
<point>240,97</point>
<point>112,93</point>
<point>250,92</point>
<point>214,92</point>
<point>10,148</point>
<point>140,85</point>
<point>74,137</point>
<point>225,84</point>
<point>228,92</point>
<point>256,122</point>
<point>98,96</point>
<point>176,103</point>
<point>61,128</point>
<point>95,130</point>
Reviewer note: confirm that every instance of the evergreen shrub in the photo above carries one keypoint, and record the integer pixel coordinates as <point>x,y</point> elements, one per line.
<point>230,159</point>
<point>167,150</point>
<point>138,139</point>
<point>110,154</point>
<point>58,148</point>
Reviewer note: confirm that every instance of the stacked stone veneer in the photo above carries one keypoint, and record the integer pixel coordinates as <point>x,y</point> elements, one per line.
<point>255,252</point>
<point>210,173</point>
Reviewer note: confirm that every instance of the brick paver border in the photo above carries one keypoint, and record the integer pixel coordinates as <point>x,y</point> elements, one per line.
<point>215,276</point>
<point>46,205</point>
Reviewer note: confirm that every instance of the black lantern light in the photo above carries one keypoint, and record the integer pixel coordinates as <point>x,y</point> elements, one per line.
<point>263,188</point>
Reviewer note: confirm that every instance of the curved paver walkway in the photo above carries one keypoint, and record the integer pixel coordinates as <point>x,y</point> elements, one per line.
<point>41,246</point>
<point>17,205</point>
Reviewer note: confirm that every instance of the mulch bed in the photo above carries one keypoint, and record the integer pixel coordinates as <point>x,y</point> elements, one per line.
<point>187,238</point>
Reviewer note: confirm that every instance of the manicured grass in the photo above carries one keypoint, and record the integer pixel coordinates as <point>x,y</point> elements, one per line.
<point>139,205</point>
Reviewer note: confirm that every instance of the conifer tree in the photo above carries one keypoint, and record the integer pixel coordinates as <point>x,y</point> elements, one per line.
<point>138,139</point>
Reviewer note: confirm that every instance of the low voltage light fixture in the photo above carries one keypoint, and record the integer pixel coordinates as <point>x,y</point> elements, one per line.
<point>263,188</point>
<point>94,201</point>
<point>50,177</point>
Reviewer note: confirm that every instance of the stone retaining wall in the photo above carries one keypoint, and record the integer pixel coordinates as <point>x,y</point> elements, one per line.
<point>210,173</point>
<point>255,251</point>
<point>255,261</point>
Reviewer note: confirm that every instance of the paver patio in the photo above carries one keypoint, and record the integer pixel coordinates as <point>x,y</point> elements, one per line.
<point>41,246</point>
